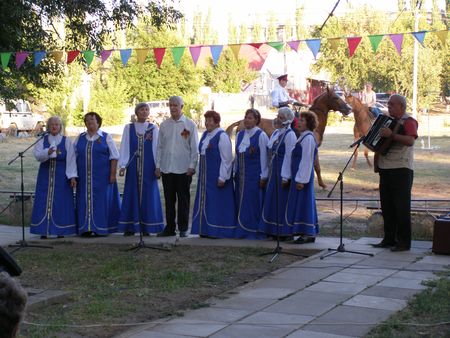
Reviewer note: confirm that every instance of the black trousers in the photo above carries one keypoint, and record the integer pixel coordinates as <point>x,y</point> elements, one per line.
<point>177,186</point>
<point>395,196</point>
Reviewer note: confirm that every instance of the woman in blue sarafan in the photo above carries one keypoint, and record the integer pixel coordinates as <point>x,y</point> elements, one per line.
<point>301,211</point>
<point>280,148</point>
<point>250,176</point>
<point>98,201</point>
<point>141,204</point>
<point>53,209</point>
<point>214,209</point>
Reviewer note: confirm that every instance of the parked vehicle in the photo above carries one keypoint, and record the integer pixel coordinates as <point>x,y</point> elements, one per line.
<point>383,98</point>
<point>20,119</point>
<point>159,111</point>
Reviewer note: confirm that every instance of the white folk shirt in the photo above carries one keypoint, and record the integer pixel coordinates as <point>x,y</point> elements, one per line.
<point>279,94</point>
<point>262,142</point>
<point>41,153</point>
<point>176,151</point>
<point>289,142</point>
<point>368,98</point>
<point>225,150</point>
<point>140,128</point>
<point>113,153</point>
<point>306,163</point>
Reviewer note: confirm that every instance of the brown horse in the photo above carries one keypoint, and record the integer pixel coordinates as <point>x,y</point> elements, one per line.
<point>322,104</point>
<point>363,122</point>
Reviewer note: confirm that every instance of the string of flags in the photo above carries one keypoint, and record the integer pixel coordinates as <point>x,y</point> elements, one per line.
<point>216,50</point>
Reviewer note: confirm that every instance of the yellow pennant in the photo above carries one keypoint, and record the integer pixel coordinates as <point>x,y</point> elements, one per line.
<point>235,49</point>
<point>334,43</point>
<point>141,54</point>
<point>57,55</point>
<point>442,35</point>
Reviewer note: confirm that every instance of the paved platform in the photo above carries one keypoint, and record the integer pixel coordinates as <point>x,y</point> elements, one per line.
<point>341,296</point>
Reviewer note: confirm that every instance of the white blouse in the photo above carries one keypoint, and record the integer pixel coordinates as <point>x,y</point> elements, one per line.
<point>307,162</point>
<point>262,142</point>
<point>113,153</point>
<point>289,142</point>
<point>226,153</point>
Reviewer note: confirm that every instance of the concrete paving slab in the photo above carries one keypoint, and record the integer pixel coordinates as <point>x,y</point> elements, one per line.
<point>276,318</point>
<point>403,283</point>
<point>306,273</point>
<point>355,278</point>
<point>436,259</point>
<point>191,328</point>
<point>323,263</point>
<point>376,262</point>
<point>241,302</point>
<point>283,283</point>
<point>153,334</point>
<point>337,287</point>
<point>419,266</point>
<point>254,331</point>
<point>364,270</point>
<point>211,314</point>
<point>390,292</point>
<point>348,321</point>
<point>267,293</point>
<point>312,334</point>
<point>374,302</point>
<point>420,275</point>
<point>344,258</point>
<point>407,256</point>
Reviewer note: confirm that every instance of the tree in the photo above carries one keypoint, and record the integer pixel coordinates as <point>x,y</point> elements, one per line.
<point>243,33</point>
<point>232,31</point>
<point>300,30</point>
<point>272,28</point>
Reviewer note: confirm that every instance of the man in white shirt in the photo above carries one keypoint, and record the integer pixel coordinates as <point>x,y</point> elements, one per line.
<point>280,96</point>
<point>176,160</point>
<point>369,98</point>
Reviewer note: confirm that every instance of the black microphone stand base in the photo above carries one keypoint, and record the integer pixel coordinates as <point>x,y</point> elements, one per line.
<point>142,245</point>
<point>279,250</point>
<point>24,244</point>
<point>341,248</point>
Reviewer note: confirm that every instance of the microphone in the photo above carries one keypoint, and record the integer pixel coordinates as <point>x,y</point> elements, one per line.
<point>357,142</point>
<point>42,133</point>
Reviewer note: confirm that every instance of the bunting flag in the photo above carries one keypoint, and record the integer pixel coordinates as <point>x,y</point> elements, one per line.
<point>314,46</point>
<point>71,55</point>
<point>20,58</point>
<point>88,55</point>
<point>216,50</point>
<point>159,55</point>
<point>38,56</point>
<point>397,39</point>
<point>294,45</point>
<point>334,43</point>
<point>195,53</point>
<point>141,55</point>
<point>420,36</point>
<point>125,55</point>
<point>277,45</point>
<point>105,54</point>
<point>177,53</point>
<point>255,45</point>
<point>57,55</point>
<point>442,35</point>
<point>5,59</point>
<point>235,49</point>
<point>375,41</point>
<point>353,43</point>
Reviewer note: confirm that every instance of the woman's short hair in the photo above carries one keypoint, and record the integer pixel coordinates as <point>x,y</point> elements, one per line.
<point>13,299</point>
<point>256,114</point>
<point>139,106</point>
<point>53,119</point>
<point>177,99</point>
<point>311,119</point>
<point>97,117</point>
<point>215,116</point>
<point>287,113</point>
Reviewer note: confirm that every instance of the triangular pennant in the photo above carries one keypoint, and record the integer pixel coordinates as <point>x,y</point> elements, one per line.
<point>216,50</point>
<point>159,55</point>
<point>88,56</point>
<point>375,41</point>
<point>57,55</point>
<point>105,54</point>
<point>255,45</point>
<point>125,55</point>
<point>20,58</point>
<point>353,44</point>
<point>294,45</point>
<point>235,49</point>
<point>420,36</point>
<point>397,39</point>
<point>141,55</point>
<point>442,35</point>
<point>314,46</point>
<point>277,45</point>
<point>5,59</point>
<point>334,43</point>
<point>71,55</point>
<point>177,53</point>
<point>195,53</point>
<point>38,56</point>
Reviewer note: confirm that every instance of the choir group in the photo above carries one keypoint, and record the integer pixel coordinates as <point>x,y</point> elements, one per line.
<point>267,190</point>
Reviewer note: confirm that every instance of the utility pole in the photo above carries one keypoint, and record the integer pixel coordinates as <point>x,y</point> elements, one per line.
<point>415,60</point>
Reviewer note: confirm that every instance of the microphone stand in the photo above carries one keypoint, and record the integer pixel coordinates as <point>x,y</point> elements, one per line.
<point>139,176</point>
<point>23,243</point>
<point>340,179</point>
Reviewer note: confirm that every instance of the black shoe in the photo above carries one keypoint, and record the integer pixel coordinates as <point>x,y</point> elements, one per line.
<point>304,240</point>
<point>183,234</point>
<point>86,234</point>
<point>285,238</point>
<point>59,236</point>
<point>165,234</point>
<point>383,244</point>
<point>128,233</point>
<point>145,233</point>
<point>400,248</point>
<point>43,237</point>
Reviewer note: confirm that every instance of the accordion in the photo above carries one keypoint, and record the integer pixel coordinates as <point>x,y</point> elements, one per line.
<point>374,141</point>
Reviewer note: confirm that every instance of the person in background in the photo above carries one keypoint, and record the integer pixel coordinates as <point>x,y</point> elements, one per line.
<point>280,96</point>
<point>176,160</point>
<point>250,176</point>
<point>396,178</point>
<point>301,211</point>
<point>13,300</point>
<point>214,209</point>
<point>137,159</point>
<point>53,209</point>
<point>98,200</point>
<point>369,98</point>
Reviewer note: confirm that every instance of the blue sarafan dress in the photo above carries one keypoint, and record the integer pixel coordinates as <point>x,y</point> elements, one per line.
<point>276,196</point>
<point>249,196</point>
<point>301,211</point>
<point>53,209</point>
<point>214,209</point>
<point>140,178</point>
<point>98,201</point>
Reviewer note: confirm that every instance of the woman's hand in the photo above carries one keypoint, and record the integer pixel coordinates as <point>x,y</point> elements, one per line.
<point>285,184</point>
<point>73,182</point>
<point>220,183</point>
<point>262,183</point>
<point>122,171</point>
<point>299,186</point>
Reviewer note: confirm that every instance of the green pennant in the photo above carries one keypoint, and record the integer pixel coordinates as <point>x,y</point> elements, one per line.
<point>177,53</point>
<point>277,45</point>
<point>5,59</point>
<point>375,41</point>
<point>88,56</point>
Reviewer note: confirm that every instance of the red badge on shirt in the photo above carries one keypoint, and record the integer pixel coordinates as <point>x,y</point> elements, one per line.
<point>185,133</point>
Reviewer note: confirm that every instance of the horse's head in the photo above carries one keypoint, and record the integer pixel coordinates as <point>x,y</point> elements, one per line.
<point>332,101</point>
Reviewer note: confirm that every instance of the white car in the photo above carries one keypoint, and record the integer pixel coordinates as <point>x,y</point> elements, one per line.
<point>19,119</point>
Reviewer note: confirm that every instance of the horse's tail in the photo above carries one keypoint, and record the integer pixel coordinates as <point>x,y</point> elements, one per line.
<point>230,128</point>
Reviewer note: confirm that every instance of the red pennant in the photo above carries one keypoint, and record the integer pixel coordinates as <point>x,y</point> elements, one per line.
<point>159,55</point>
<point>255,45</point>
<point>353,44</point>
<point>71,55</point>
